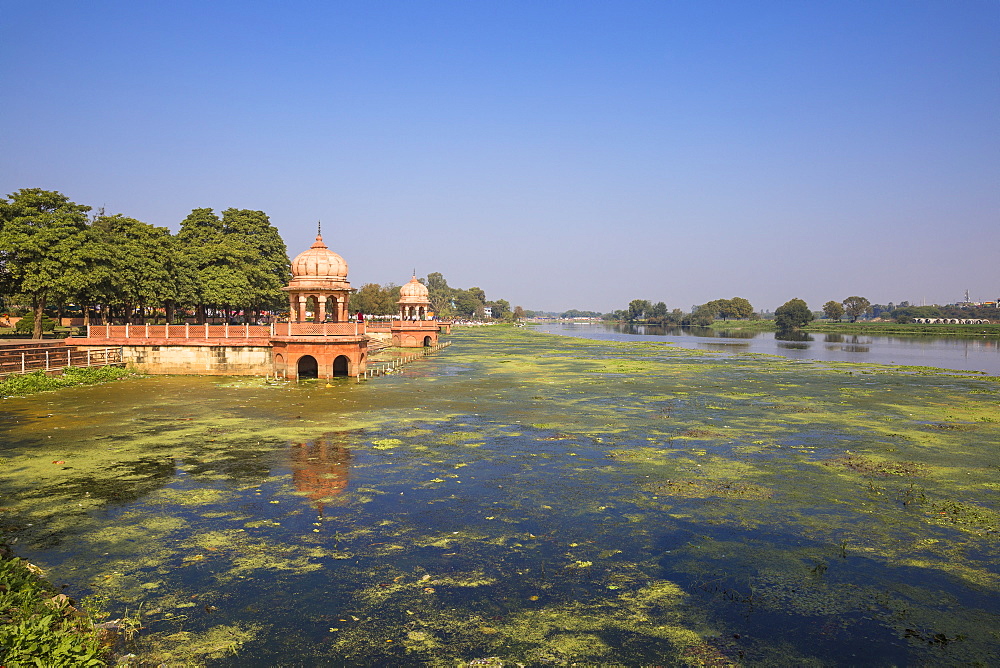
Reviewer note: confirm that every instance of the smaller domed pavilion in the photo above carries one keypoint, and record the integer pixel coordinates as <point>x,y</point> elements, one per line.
<point>414,301</point>
<point>319,279</point>
<point>414,329</point>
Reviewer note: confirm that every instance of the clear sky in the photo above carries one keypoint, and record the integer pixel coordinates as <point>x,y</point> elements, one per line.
<point>556,154</point>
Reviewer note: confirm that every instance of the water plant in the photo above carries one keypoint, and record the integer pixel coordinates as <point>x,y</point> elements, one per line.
<point>40,627</point>
<point>19,385</point>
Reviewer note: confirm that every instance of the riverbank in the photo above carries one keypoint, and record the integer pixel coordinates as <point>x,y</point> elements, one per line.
<point>865,327</point>
<point>906,329</point>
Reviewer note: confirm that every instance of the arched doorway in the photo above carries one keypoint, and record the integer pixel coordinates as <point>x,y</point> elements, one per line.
<point>340,365</point>
<point>427,342</point>
<point>307,367</point>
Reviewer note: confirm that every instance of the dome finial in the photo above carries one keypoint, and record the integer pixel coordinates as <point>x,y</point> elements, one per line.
<point>319,230</point>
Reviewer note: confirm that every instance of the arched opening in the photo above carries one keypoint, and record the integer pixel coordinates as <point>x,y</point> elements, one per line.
<point>307,367</point>
<point>340,365</point>
<point>427,342</point>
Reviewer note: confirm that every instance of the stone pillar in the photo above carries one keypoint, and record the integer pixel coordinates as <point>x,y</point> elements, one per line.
<point>293,308</point>
<point>302,308</point>
<point>320,308</point>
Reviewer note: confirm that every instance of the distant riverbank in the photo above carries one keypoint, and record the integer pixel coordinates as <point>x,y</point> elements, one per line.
<point>865,327</point>
<point>910,329</point>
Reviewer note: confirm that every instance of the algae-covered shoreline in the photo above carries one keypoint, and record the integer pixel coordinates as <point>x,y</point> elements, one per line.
<point>527,497</point>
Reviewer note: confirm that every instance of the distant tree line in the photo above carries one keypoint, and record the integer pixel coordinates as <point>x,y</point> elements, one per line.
<point>446,301</point>
<point>643,310</point>
<point>53,254</point>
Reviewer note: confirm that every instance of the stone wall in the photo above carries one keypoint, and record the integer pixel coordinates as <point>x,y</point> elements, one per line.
<point>209,360</point>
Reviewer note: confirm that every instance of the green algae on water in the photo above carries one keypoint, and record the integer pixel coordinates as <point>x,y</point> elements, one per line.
<point>526,498</point>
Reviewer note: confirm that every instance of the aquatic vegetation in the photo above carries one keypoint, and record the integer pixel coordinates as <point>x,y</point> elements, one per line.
<point>19,385</point>
<point>40,627</point>
<point>521,497</point>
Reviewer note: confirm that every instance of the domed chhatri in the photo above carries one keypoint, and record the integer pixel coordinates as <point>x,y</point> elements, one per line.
<point>414,301</point>
<point>319,262</point>
<point>319,284</point>
<point>414,291</point>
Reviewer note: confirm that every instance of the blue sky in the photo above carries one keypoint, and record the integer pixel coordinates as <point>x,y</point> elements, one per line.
<point>556,154</point>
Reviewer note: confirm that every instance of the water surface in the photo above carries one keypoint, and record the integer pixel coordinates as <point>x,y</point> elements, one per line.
<point>523,497</point>
<point>956,352</point>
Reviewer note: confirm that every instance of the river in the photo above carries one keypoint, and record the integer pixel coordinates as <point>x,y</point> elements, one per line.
<point>524,498</point>
<point>958,353</point>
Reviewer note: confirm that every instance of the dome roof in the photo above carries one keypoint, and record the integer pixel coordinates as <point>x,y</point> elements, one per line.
<point>319,262</point>
<point>414,292</point>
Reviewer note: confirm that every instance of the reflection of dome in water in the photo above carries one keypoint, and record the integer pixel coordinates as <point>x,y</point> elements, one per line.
<point>320,469</point>
<point>319,262</point>
<point>414,292</point>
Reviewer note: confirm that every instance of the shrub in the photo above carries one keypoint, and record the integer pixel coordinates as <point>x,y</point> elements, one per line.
<point>26,324</point>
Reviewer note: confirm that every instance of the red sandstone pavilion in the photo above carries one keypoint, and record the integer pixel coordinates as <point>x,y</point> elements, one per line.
<point>327,345</point>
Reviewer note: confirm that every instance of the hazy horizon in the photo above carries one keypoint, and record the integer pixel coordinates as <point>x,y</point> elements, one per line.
<point>560,155</point>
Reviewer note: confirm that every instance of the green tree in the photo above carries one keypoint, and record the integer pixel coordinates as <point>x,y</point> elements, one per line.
<point>135,264</point>
<point>719,308</point>
<point>501,308</point>
<point>366,299</point>
<point>855,307</point>
<point>469,303</point>
<point>43,247</point>
<point>793,314</point>
<point>440,294</point>
<point>221,263</point>
<point>199,239</point>
<point>740,308</point>
<point>703,316</point>
<point>268,268</point>
<point>518,313</point>
<point>657,312</point>
<point>833,310</point>
<point>638,308</point>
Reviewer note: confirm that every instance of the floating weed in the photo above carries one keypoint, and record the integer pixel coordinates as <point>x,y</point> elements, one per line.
<point>878,468</point>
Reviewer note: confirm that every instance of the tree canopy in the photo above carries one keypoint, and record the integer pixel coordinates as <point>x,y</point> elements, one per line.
<point>51,253</point>
<point>45,248</point>
<point>793,314</point>
<point>855,307</point>
<point>833,310</point>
